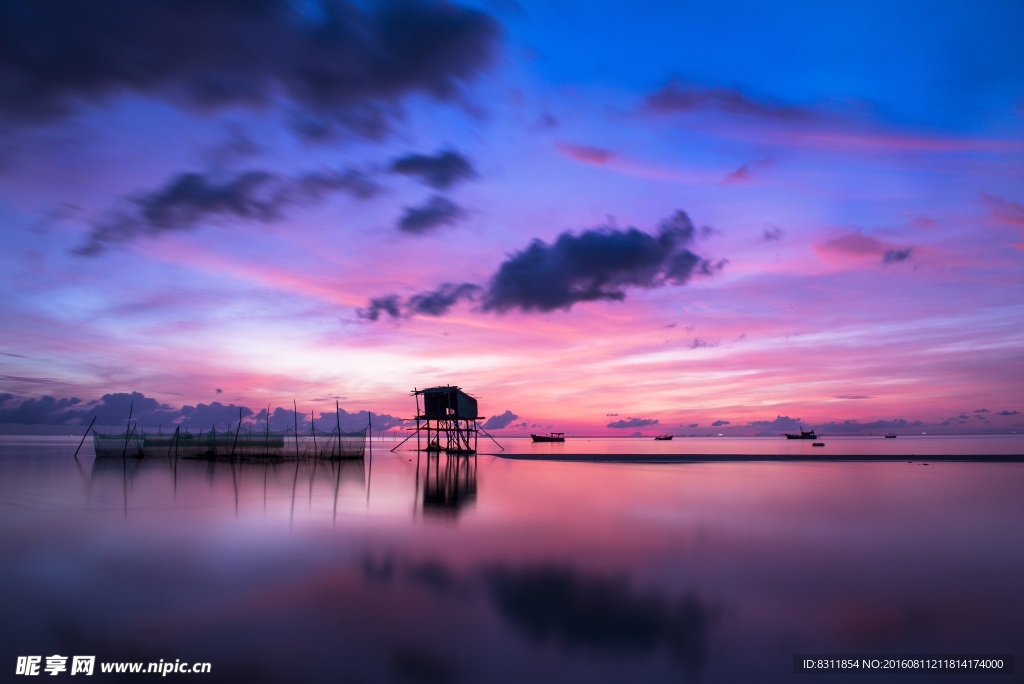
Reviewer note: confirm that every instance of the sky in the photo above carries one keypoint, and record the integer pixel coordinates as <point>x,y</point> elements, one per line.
<point>601,218</point>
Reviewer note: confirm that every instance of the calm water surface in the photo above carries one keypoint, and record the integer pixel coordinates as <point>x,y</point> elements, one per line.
<point>406,568</point>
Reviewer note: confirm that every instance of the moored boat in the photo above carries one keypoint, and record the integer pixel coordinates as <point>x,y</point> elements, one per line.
<point>663,438</point>
<point>553,437</point>
<point>804,434</point>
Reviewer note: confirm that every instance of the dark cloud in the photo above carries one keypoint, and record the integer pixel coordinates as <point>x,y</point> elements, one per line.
<point>597,264</point>
<point>981,410</point>
<point>114,409</point>
<point>439,301</point>
<point>772,234</point>
<point>432,303</point>
<point>44,411</point>
<point>351,420</point>
<point>438,211</point>
<point>779,424</point>
<point>679,96</point>
<point>854,426</point>
<point>894,256</point>
<point>112,412</point>
<point>633,422</point>
<point>343,65</point>
<point>699,343</point>
<point>719,423</point>
<point>500,421</point>
<point>190,199</point>
<point>388,304</point>
<point>214,415</point>
<point>558,605</point>
<point>851,396</point>
<point>440,171</point>
<point>1009,413</point>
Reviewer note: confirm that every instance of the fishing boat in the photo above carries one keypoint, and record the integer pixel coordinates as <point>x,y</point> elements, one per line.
<point>663,438</point>
<point>804,434</point>
<point>553,437</point>
<point>890,435</point>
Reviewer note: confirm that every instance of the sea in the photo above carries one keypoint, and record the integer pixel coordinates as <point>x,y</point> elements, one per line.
<point>869,559</point>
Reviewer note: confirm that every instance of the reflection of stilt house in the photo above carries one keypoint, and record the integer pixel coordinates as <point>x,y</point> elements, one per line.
<point>450,483</point>
<point>447,416</point>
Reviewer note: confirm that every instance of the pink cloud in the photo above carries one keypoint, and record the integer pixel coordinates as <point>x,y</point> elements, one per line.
<point>744,173</point>
<point>585,153</point>
<point>679,96</point>
<point>855,245</point>
<point>1005,212</point>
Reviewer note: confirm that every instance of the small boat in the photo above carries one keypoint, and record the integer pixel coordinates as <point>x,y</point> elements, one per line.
<point>553,437</point>
<point>663,438</point>
<point>818,444</point>
<point>804,434</point>
<point>890,435</point>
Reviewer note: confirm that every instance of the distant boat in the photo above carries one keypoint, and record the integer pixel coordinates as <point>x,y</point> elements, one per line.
<point>804,434</point>
<point>553,437</point>
<point>890,435</point>
<point>663,438</point>
<point>818,444</point>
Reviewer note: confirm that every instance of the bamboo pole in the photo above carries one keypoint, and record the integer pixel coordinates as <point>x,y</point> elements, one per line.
<point>312,424</point>
<point>131,410</point>
<point>84,436</point>
<point>237,430</point>
<point>337,415</point>
<point>295,413</point>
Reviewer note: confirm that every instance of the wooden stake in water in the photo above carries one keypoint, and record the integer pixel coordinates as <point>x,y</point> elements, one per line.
<point>337,416</point>
<point>131,410</point>
<point>84,436</point>
<point>295,412</point>
<point>236,432</point>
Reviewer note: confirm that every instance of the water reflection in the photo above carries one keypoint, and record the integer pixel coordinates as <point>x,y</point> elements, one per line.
<point>449,483</point>
<point>558,608</point>
<point>559,604</point>
<point>549,572</point>
<point>158,483</point>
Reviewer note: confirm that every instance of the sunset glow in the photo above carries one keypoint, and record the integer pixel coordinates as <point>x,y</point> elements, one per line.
<point>599,219</point>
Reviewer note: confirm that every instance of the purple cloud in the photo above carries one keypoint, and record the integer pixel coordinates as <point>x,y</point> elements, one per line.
<point>343,65</point>
<point>500,421</point>
<point>633,422</point>
<point>440,171</point>
<point>598,264</point>
<point>438,211</point>
<point>679,96</point>
<point>190,199</point>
